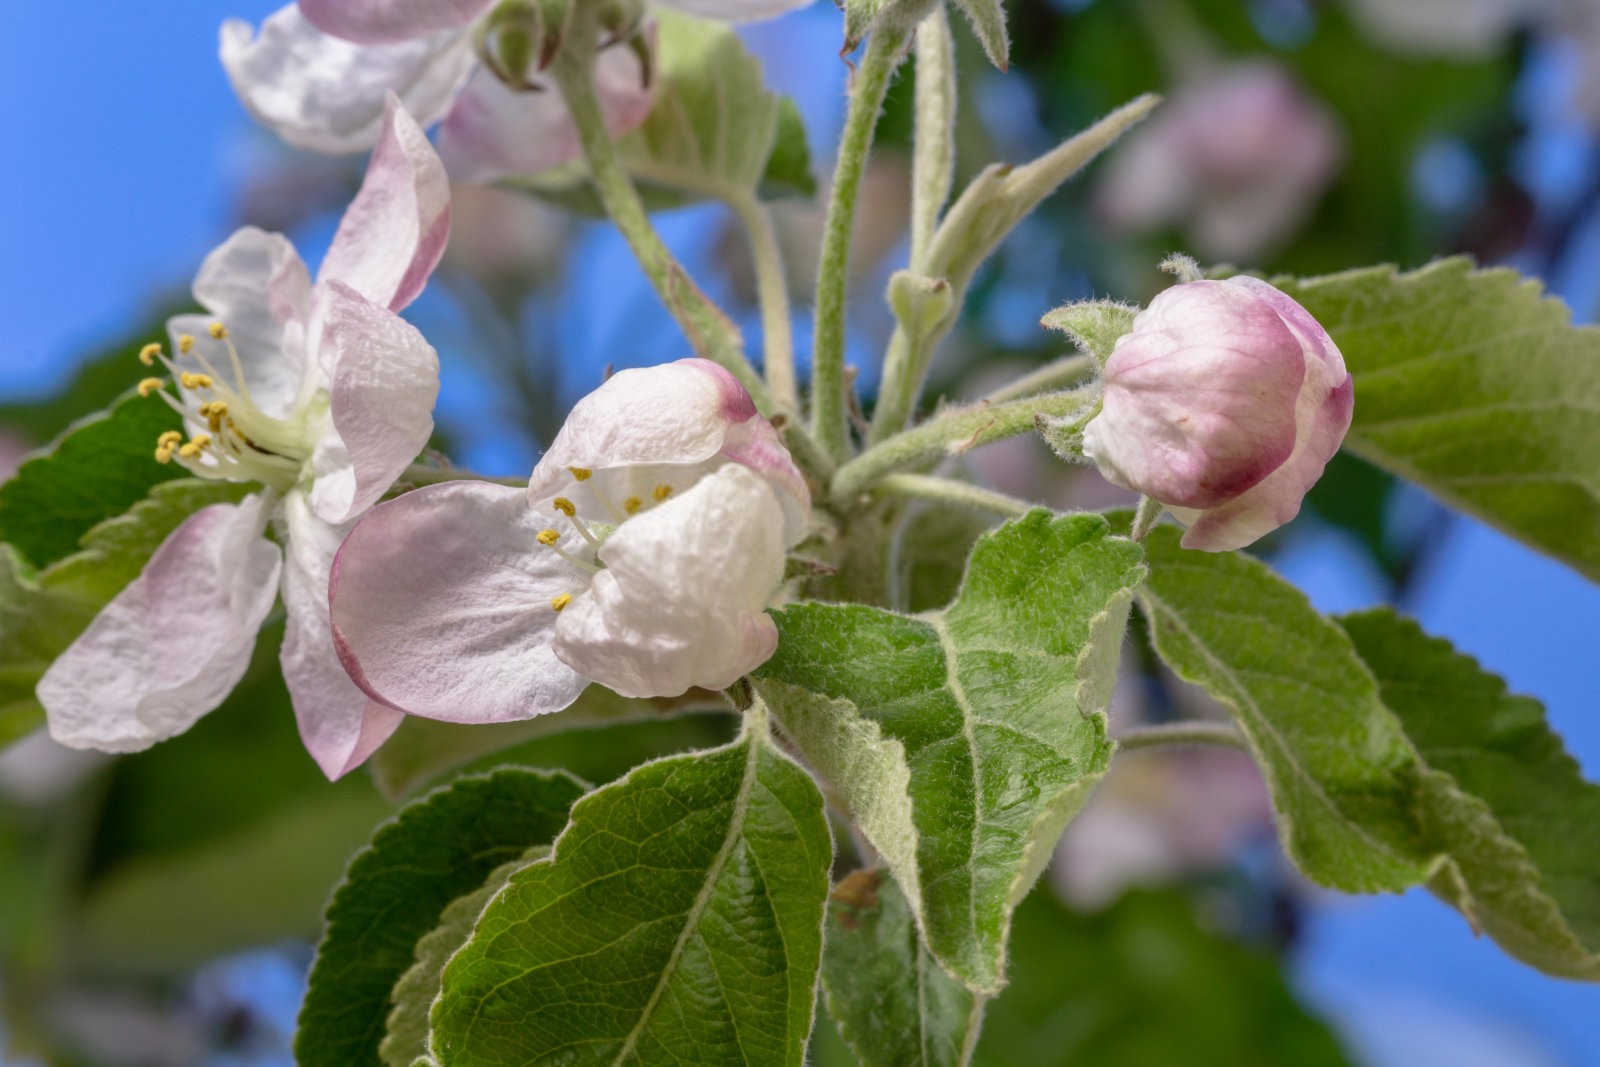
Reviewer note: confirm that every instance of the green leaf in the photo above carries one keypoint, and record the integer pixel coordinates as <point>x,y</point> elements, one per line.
<point>894,1005</point>
<point>1144,983</point>
<point>1476,386</point>
<point>406,1037</point>
<point>42,612</point>
<point>1343,776</point>
<point>788,174</point>
<point>679,920</point>
<point>1093,325</point>
<point>988,19</point>
<point>397,889</point>
<point>422,750</point>
<point>1521,824</point>
<point>99,468</point>
<point>996,704</point>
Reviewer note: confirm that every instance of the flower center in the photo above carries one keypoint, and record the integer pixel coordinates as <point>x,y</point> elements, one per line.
<point>241,443</point>
<point>593,532</point>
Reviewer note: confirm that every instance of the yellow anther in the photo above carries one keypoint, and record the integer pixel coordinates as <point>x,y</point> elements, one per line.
<point>190,380</point>
<point>149,385</point>
<point>217,331</point>
<point>580,474</point>
<point>148,354</point>
<point>661,492</point>
<point>565,506</point>
<point>185,343</point>
<point>548,537</point>
<point>189,451</point>
<point>632,504</point>
<point>163,455</point>
<point>169,440</point>
<point>201,440</point>
<point>560,601</point>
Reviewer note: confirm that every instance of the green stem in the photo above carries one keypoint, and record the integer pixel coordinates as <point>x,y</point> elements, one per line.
<point>884,52</point>
<point>1181,733</point>
<point>949,434</point>
<point>772,292</point>
<point>950,491</point>
<point>711,332</point>
<point>1144,517</point>
<point>1059,374</point>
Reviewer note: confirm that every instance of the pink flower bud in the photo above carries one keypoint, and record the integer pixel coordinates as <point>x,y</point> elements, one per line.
<point>1224,403</point>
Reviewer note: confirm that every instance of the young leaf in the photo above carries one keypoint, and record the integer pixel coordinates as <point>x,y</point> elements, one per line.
<point>1521,824</point>
<point>396,890</point>
<point>1476,386</point>
<point>679,920</point>
<point>997,704</point>
<point>1343,776</point>
<point>100,467</point>
<point>894,1005</point>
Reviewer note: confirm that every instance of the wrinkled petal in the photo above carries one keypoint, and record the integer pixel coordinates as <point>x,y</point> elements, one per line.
<point>326,94</point>
<point>383,378</point>
<point>1200,398</point>
<point>735,10</point>
<point>441,606</point>
<point>340,725</point>
<point>389,21</point>
<point>496,132</point>
<point>664,426</point>
<point>255,284</point>
<point>681,601</point>
<point>394,231</point>
<point>173,644</point>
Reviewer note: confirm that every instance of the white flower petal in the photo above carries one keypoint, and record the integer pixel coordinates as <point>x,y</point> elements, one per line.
<point>387,21</point>
<point>326,94</point>
<point>383,378</point>
<point>441,606</point>
<point>340,725</point>
<point>173,644</point>
<point>255,284</point>
<point>681,601</point>
<point>496,132</point>
<point>394,231</point>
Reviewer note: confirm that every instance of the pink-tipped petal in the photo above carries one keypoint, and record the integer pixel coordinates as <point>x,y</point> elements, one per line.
<point>736,10</point>
<point>322,93</point>
<point>494,132</point>
<point>389,21</point>
<point>383,378</point>
<point>681,601</point>
<point>340,725</point>
<point>441,606</point>
<point>172,645</point>
<point>255,284</point>
<point>395,230</point>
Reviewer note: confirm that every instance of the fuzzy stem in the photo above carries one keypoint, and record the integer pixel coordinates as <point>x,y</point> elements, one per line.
<point>885,49</point>
<point>1062,373</point>
<point>711,332</point>
<point>950,434</point>
<point>1181,733</point>
<point>951,491</point>
<point>772,291</point>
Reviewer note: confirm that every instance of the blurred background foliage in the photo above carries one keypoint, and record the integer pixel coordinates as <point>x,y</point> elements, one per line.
<point>158,908</point>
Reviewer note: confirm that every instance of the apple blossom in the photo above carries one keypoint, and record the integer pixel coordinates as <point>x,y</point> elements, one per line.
<point>1239,156</point>
<point>316,72</point>
<point>321,394</point>
<point>1223,403</point>
<point>641,555</point>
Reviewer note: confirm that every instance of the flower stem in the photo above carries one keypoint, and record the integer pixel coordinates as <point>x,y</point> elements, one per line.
<point>1058,374</point>
<point>885,49</point>
<point>951,491</point>
<point>711,332</point>
<point>1181,733</point>
<point>1144,517</point>
<point>772,291</point>
<point>950,434</point>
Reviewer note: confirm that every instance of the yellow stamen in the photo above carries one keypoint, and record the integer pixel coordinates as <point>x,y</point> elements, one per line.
<point>185,343</point>
<point>580,474</point>
<point>565,506</point>
<point>194,381</point>
<point>169,440</point>
<point>217,330</point>
<point>632,504</point>
<point>163,454</point>
<point>560,601</point>
<point>661,492</point>
<point>148,354</point>
<point>149,385</point>
<point>548,537</point>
